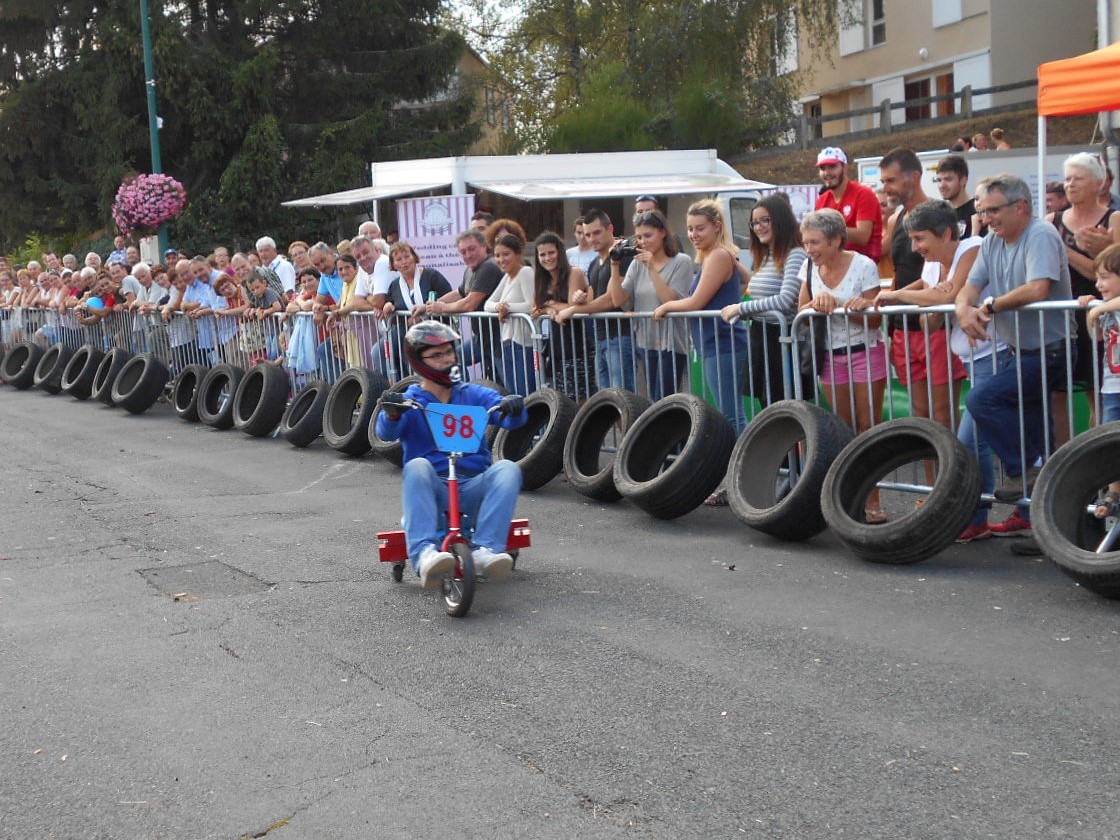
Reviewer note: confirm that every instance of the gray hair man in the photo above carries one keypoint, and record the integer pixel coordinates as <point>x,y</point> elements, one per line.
<point>271,258</point>
<point>1021,261</point>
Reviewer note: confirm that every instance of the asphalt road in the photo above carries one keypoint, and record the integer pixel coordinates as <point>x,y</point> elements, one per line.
<point>633,678</point>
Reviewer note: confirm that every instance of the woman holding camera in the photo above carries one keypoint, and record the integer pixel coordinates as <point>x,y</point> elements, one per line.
<point>660,273</point>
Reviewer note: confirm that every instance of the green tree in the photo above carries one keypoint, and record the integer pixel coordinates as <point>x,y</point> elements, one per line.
<point>610,117</point>
<point>260,101</point>
<point>688,62</point>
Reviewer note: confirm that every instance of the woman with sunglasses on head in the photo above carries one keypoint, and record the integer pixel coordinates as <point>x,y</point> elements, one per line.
<point>771,297</point>
<point>660,273</point>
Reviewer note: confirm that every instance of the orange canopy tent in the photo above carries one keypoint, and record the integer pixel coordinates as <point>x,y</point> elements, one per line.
<point>1085,84</point>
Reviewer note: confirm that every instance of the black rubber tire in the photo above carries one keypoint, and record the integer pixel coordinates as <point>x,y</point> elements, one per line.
<point>20,363</point>
<point>302,422</point>
<point>350,405</point>
<point>216,393</point>
<point>48,373</point>
<point>261,398</point>
<point>390,450</point>
<point>77,379</point>
<point>584,467</point>
<point>924,531</point>
<point>107,373</point>
<point>1066,532</point>
<point>538,446</point>
<point>759,495</point>
<point>184,394</point>
<point>458,591</point>
<point>705,439</point>
<point>140,382</point>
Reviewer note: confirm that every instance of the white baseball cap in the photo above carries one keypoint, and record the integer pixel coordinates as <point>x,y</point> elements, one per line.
<point>830,155</point>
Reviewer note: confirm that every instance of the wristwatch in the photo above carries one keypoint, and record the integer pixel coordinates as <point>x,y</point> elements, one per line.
<point>989,305</point>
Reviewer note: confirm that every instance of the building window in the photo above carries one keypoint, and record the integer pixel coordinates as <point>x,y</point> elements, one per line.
<point>783,45</point>
<point>878,22</point>
<point>813,115</point>
<point>917,90</point>
<point>863,25</point>
<point>946,107</point>
<point>946,12</point>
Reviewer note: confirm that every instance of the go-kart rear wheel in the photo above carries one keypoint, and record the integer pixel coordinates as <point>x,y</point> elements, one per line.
<point>397,570</point>
<point>458,584</point>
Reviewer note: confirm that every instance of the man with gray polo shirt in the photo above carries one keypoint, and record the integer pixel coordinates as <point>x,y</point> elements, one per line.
<point>1023,261</point>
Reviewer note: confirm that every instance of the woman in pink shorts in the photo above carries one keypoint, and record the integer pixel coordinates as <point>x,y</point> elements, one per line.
<point>836,280</point>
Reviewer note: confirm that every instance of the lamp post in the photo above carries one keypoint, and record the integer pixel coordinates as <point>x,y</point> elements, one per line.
<point>153,117</point>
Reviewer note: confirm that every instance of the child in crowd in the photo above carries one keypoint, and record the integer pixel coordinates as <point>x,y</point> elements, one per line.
<point>1105,323</point>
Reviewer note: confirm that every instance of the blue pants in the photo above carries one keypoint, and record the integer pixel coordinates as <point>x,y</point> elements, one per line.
<point>721,372</point>
<point>1110,408</point>
<point>519,375</point>
<point>665,371</point>
<point>982,371</point>
<point>489,499</point>
<point>614,362</point>
<point>330,367</point>
<point>997,403</point>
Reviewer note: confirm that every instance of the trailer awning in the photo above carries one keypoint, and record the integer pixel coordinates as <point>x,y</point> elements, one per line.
<point>548,177</point>
<point>544,189</point>
<point>363,195</point>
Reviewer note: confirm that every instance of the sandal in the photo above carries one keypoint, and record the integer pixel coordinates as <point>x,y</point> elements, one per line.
<point>874,516</point>
<point>1108,505</point>
<point>717,499</point>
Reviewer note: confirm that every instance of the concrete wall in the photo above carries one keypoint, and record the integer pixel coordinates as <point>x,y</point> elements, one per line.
<point>1022,37</point>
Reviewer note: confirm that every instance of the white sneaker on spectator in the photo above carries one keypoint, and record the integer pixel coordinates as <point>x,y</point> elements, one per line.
<point>433,565</point>
<point>490,563</point>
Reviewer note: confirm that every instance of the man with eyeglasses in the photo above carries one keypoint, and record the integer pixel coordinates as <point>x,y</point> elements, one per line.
<point>488,488</point>
<point>1021,261</point>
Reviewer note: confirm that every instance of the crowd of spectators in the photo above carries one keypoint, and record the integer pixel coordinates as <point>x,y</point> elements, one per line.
<point>858,250</point>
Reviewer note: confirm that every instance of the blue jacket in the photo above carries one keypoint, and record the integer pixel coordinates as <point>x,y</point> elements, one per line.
<point>413,432</point>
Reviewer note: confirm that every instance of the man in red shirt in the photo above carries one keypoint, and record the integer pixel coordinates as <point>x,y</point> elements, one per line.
<point>856,203</point>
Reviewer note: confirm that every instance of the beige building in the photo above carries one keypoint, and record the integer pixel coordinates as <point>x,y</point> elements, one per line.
<point>909,49</point>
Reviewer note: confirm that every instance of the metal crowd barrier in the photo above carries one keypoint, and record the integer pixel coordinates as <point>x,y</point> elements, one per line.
<point>853,384</point>
<point>739,369</point>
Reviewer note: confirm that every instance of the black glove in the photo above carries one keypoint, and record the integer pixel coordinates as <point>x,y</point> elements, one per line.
<point>394,404</point>
<point>512,405</point>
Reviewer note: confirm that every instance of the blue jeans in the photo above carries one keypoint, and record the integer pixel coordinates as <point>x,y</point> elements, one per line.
<point>614,362</point>
<point>665,370</point>
<point>489,499</point>
<point>721,372</point>
<point>330,367</point>
<point>982,371</point>
<point>519,376</point>
<point>1110,408</point>
<point>996,405</point>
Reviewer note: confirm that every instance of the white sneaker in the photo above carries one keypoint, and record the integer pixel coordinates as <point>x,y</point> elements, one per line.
<point>492,564</point>
<point>433,565</point>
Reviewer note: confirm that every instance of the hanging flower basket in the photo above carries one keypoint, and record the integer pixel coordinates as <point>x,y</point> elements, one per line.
<point>145,203</point>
